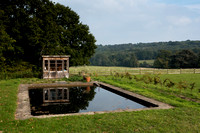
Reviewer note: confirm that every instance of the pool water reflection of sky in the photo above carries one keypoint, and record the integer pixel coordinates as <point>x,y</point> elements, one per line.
<point>62,100</point>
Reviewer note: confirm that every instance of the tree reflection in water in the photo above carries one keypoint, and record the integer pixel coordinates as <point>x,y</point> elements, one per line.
<point>60,100</point>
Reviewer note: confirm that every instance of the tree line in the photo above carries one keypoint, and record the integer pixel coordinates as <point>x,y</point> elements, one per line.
<point>129,54</point>
<point>115,59</point>
<point>32,28</point>
<point>181,59</point>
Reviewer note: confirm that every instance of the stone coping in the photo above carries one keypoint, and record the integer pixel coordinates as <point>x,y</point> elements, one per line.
<point>23,110</point>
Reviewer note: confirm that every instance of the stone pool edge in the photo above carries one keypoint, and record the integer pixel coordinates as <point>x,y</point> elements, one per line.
<point>23,110</point>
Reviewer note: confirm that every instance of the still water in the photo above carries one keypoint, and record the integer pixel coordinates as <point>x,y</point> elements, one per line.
<point>77,99</point>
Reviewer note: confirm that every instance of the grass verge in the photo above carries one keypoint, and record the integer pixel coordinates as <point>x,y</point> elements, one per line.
<point>184,118</point>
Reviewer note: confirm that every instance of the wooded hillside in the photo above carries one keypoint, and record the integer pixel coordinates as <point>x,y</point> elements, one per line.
<point>119,54</point>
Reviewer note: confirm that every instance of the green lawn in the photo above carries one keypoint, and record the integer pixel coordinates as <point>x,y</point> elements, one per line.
<point>150,62</point>
<point>184,118</point>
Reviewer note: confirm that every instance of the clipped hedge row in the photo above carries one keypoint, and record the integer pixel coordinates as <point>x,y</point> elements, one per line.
<point>20,74</point>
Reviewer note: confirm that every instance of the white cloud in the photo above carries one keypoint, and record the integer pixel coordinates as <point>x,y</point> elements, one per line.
<point>179,20</point>
<point>123,21</point>
<point>195,8</point>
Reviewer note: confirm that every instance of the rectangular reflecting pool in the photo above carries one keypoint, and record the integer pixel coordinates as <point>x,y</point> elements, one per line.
<point>65,100</point>
<point>78,98</point>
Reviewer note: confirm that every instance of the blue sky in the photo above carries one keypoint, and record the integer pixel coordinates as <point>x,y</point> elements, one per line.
<point>179,2</point>
<point>134,21</point>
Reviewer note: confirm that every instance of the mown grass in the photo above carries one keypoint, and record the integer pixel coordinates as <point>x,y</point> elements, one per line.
<point>184,118</point>
<point>99,70</point>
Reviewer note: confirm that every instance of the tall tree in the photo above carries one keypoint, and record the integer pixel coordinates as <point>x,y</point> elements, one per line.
<point>163,59</point>
<point>6,48</point>
<point>6,45</point>
<point>40,27</point>
<point>184,59</point>
<point>198,62</point>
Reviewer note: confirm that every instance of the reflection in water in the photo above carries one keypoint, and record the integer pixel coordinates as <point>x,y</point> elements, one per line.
<point>62,100</point>
<point>87,89</point>
<point>58,95</point>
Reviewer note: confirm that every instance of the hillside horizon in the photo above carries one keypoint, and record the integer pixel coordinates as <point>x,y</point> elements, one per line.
<point>113,55</point>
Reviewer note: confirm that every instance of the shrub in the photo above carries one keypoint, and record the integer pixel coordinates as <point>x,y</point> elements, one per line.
<point>73,78</point>
<point>168,83</point>
<point>21,74</point>
<point>182,85</point>
<point>136,78</point>
<point>128,75</point>
<point>192,86</point>
<point>157,80</point>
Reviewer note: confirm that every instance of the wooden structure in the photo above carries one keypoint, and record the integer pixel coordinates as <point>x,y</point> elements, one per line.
<point>55,66</point>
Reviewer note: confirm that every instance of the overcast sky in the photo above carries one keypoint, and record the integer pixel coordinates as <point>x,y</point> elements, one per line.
<point>134,21</point>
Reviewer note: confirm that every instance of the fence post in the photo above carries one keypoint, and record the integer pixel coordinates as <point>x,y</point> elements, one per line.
<point>180,70</point>
<point>167,71</point>
<point>194,70</point>
<point>140,71</point>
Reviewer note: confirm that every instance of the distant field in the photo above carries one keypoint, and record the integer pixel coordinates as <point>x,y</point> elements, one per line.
<point>99,70</point>
<point>150,62</point>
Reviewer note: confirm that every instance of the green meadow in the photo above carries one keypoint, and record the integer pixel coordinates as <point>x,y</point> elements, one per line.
<point>150,62</point>
<point>106,70</point>
<point>179,90</point>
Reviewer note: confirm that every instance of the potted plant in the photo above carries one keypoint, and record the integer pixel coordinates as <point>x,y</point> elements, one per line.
<point>87,77</point>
